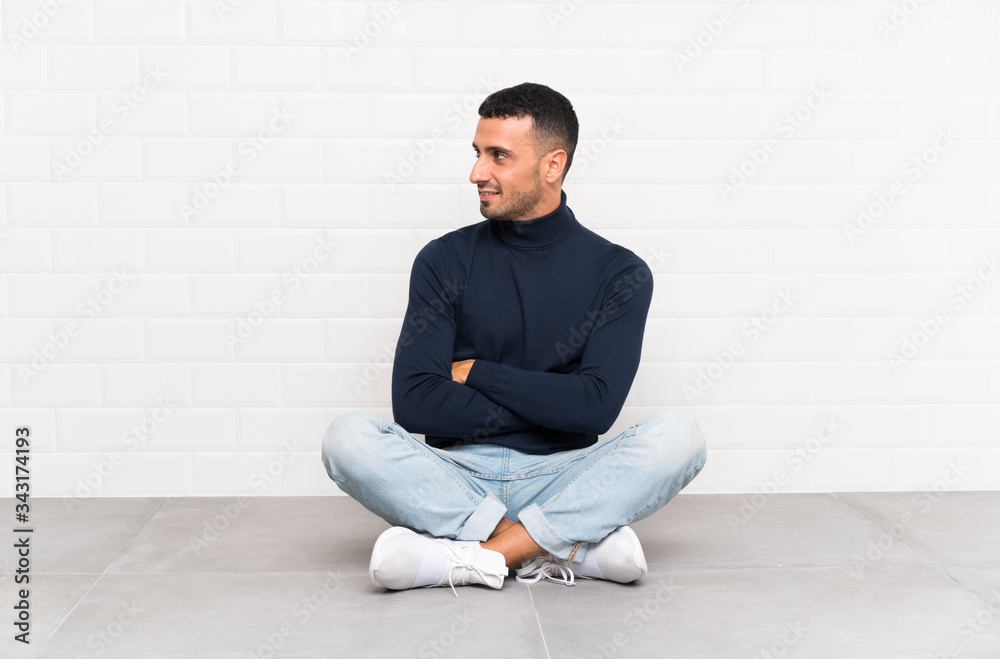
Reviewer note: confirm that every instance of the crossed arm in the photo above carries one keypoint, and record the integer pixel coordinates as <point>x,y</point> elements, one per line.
<point>434,394</point>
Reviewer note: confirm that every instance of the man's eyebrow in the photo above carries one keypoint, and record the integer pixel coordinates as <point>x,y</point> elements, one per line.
<point>493,149</point>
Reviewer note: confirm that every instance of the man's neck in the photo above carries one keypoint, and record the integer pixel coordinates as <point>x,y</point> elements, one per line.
<point>549,202</point>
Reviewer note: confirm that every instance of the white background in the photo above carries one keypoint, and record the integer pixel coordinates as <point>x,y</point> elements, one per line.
<point>148,398</point>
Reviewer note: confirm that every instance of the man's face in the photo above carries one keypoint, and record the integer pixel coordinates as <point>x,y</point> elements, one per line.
<point>507,169</point>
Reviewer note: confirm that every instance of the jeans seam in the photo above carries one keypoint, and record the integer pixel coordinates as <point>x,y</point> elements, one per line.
<point>504,482</point>
<point>617,443</point>
<point>534,474</point>
<point>480,474</point>
<point>572,552</point>
<point>460,484</point>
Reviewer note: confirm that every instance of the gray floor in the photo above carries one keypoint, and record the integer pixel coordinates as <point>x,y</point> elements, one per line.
<point>881,575</point>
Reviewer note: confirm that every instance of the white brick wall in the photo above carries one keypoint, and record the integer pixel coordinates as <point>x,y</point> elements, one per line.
<point>182,307</point>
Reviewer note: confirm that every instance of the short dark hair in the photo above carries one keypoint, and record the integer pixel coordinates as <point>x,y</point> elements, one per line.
<point>555,125</point>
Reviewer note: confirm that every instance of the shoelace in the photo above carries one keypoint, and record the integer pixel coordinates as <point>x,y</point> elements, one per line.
<point>459,561</point>
<point>546,567</point>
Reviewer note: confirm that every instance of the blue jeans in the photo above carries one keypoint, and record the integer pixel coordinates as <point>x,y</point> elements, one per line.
<point>562,499</point>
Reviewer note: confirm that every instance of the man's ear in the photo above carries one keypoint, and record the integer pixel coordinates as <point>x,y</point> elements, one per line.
<point>554,163</point>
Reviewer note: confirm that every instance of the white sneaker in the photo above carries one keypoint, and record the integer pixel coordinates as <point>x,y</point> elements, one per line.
<point>618,557</point>
<point>403,559</point>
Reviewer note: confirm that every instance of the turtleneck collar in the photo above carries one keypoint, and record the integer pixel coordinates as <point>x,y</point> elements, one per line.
<point>539,232</point>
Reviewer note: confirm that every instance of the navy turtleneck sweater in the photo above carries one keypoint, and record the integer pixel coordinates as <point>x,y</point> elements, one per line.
<point>552,313</point>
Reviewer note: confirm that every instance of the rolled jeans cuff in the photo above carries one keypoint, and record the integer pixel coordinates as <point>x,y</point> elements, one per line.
<point>544,535</point>
<point>484,520</point>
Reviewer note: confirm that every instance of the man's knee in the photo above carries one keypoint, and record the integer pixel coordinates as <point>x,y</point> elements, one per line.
<point>677,440</point>
<point>346,434</point>
<point>688,429</point>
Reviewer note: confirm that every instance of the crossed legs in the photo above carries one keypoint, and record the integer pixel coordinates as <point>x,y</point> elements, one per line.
<point>409,484</point>
<point>511,539</point>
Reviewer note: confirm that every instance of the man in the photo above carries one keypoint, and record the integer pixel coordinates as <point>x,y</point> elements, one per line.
<point>520,343</point>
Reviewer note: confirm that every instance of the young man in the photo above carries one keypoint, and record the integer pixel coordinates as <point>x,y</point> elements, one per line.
<point>520,343</point>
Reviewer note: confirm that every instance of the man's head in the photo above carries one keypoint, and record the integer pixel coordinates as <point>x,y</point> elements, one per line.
<point>524,146</point>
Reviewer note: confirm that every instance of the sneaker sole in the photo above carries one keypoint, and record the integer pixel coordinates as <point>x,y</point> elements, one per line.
<point>376,560</point>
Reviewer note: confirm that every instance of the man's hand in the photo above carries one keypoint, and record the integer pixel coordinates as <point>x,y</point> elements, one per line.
<point>460,370</point>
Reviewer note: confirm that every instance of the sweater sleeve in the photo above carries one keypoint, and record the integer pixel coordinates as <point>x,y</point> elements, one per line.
<point>590,398</point>
<point>425,399</point>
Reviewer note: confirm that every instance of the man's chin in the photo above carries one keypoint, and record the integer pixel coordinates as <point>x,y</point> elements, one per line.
<point>491,212</point>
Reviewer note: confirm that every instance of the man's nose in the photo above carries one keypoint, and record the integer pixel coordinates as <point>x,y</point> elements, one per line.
<point>478,173</point>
